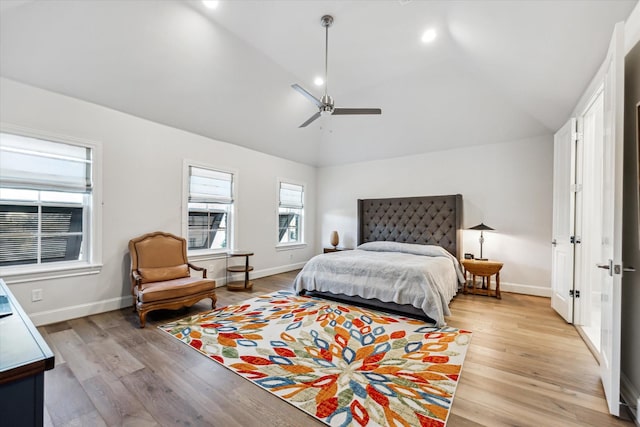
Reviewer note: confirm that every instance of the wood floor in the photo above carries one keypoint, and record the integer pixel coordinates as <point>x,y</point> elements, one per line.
<point>525,367</point>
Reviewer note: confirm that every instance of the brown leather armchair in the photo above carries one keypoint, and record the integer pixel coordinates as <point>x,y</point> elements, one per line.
<point>160,275</point>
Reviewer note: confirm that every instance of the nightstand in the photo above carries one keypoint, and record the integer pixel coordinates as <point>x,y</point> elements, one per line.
<point>329,250</point>
<point>484,269</point>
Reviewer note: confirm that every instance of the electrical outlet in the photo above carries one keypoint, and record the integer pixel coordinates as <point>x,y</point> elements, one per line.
<point>36,295</point>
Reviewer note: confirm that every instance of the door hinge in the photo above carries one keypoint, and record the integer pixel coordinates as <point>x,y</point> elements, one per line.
<point>576,136</point>
<point>575,293</point>
<point>575,239</point>
<point>576,187</point>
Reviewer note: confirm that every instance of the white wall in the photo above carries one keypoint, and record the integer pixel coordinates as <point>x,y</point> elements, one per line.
<point>142,192</point>
<point>507,186</point>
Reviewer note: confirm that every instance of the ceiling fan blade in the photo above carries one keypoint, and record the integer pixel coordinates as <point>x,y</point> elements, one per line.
<point>349,111</point>
<point>311,119</point>
<point>307,94</point>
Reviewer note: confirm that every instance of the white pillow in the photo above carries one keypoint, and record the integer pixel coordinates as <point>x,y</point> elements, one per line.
<point>408,248</point>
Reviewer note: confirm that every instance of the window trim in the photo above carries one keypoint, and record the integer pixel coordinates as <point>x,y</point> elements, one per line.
<point>93,262</point>
<point>290,246</point>
<point>301,243</point>
<point>62,269</point>
<point>205,254</point>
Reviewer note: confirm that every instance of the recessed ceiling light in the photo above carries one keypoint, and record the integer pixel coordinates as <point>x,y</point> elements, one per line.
<point>429,35</point>
<point>211,4</point>
<point>318,81</point>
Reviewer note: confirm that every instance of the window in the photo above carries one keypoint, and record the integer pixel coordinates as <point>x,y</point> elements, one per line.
<point>46,192</point>
<point>290,213</point>
<point>210,208</point>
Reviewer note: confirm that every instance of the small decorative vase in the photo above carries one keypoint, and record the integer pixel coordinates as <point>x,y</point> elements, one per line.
<point>334,239</point>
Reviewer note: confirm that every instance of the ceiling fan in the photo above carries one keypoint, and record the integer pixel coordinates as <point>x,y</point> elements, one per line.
<point>325,104</point>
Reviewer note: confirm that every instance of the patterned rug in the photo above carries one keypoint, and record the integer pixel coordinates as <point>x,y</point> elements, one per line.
<point>345,365</point>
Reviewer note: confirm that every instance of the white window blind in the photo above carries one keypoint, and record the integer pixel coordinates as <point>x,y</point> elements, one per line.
<point>291,196</point>
<point>209,186</point>
<point>34,164</point>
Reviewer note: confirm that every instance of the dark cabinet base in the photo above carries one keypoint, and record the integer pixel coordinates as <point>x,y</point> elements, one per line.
<point>24,356</point>
<point>22,401</point>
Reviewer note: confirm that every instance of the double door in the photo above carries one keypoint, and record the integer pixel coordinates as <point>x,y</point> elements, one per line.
<point>587,219</point>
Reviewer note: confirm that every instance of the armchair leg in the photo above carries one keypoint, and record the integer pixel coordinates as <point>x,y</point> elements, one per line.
<point>213,302</point>
<point>143,318</point>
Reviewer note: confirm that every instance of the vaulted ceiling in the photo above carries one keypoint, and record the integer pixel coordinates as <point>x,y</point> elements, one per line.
<point>497,71</point>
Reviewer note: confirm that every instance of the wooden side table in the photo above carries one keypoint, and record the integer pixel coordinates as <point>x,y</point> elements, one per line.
<point>484,269</point>
<point>329,250</point>
<point>243,285</point>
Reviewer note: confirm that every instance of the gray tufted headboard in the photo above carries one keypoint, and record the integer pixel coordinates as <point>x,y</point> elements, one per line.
<point>430,220</point>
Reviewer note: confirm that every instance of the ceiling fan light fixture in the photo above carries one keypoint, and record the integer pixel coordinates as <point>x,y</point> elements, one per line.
<point>429,35</point>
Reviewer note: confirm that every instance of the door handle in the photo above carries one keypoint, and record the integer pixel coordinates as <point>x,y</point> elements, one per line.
<point>629,269</point>
<point>608,266</point>
<point>553,242</point>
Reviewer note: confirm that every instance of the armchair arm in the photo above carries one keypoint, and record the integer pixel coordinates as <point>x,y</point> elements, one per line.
<point>195,267</point>
<point>136,277</point>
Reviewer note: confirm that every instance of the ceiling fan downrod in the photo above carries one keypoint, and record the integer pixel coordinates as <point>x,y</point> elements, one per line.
<point>327,21</point>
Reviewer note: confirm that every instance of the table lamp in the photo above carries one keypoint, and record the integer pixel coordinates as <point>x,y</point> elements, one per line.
<point>334,239</point>
<point>482,227</point>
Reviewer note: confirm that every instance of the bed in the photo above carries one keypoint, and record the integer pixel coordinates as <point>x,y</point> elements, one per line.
<point>405,262</point>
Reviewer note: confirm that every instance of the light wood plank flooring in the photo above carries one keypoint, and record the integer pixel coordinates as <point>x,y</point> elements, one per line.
<point>525,367</point>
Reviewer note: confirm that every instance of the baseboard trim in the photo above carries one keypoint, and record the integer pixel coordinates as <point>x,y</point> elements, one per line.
<point>88,309</point>
<point>631,396</point>
<point>277,270</point>
<point>256,274</point>
<point>516,288</point>
<point>72,312</point>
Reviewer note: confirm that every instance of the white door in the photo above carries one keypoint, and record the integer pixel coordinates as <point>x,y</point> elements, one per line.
<point>564,172</point>
<point>587,309</point>
<point>611,247</point>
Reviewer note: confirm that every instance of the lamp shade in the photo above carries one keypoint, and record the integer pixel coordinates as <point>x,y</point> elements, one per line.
<point>481,227</point>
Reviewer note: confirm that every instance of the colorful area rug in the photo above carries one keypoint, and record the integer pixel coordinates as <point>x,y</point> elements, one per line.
<point>345,365</point>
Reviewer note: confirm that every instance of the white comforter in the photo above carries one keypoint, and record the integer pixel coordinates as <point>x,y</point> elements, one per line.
<point>423,276</point>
